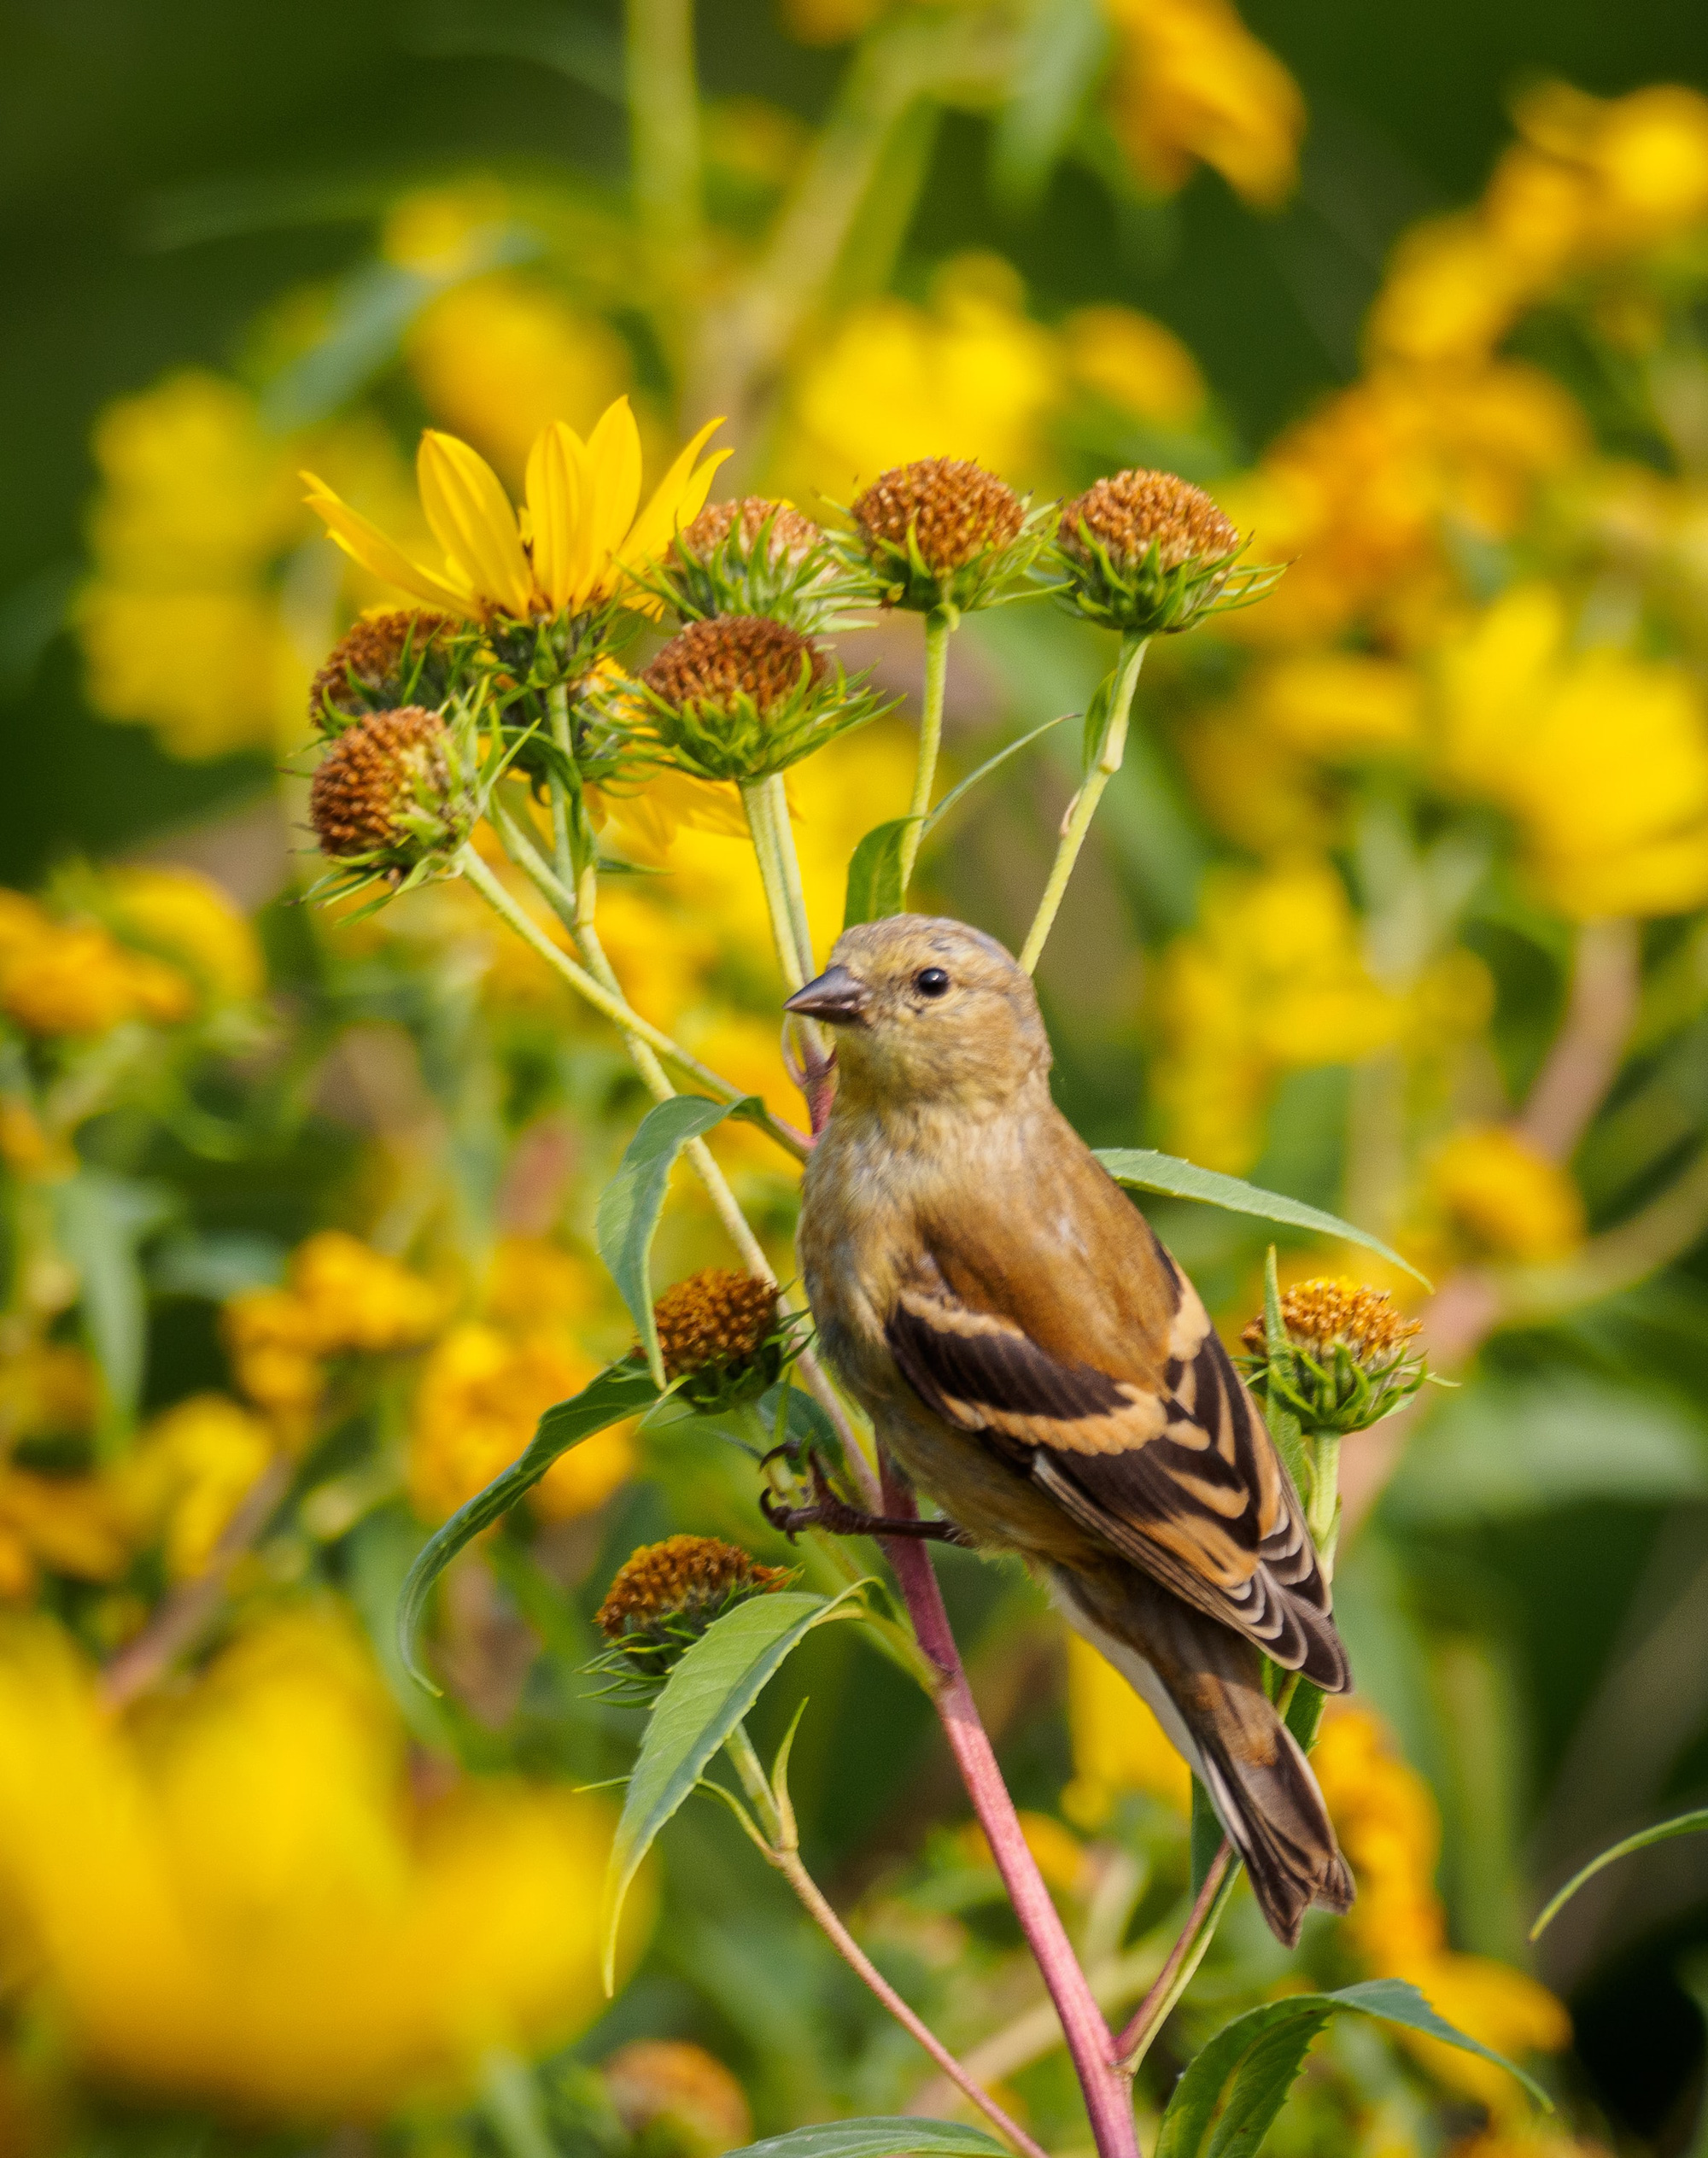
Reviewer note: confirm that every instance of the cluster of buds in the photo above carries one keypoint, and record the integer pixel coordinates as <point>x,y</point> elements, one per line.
<point>722,1338</point>
<point>1146,553</point>
<point>665,1597</point>
<point>752,557</point>
<point>393,797</point>
<point>944,535</point>
<point>1349,1358</point>
<point>741,696</point>
<point>388,662</point>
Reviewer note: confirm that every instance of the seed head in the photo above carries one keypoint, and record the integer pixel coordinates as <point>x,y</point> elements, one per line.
<point>1348,1362</point>
<point>714,1321</point>
<point>1147,552</point>
<point>709,667</point>
<point>667,1594</point>
<point>951,509</point>
<point>790,538</point>
<point>384,787</point>
<point>1132,513</point>
<point>383,662</point>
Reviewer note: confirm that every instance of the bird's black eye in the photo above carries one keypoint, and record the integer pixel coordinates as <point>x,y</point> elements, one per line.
<point>931,981</point>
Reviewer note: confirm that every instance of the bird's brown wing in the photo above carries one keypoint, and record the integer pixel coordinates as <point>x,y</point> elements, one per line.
<point>1164,1458</point>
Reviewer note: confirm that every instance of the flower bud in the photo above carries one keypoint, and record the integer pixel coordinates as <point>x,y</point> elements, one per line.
<point>742,696</point>
<point>719,1335</point>
<point>1348,1361</point>
<point>1146,551</point>
<point>944,532</point>
<point>385,661</point>
<point>666,1595</point>
<point>751,557</point>
<point>386,794</point>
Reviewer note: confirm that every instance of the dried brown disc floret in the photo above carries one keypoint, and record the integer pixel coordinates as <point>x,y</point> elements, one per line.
<point>1129,512</point>
<point>374,773</point>
<point>1321,1316</point>
<point>714,1320</point>
<point>713,665</point>
<point>953,510</point>
<point>665,1593</point>
<point>792,537</point>
<point>367,666</point>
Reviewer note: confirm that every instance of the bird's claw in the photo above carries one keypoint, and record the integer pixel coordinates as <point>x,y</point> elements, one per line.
<point>836,1518</point>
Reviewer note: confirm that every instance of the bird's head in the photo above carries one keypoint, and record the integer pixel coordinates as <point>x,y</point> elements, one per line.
<point>927,1010</point>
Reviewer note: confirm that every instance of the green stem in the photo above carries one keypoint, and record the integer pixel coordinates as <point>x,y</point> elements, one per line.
<point>557,705</point>
<point>938,625</point>
<point>609,1001</point>
<point>757,800</point>
<point>1111,748</point>
<point>664,122</point>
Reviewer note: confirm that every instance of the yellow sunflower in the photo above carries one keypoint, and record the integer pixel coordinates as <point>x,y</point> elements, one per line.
<point>578,536</point>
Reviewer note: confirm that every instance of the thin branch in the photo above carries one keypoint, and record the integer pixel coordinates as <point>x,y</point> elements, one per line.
<point>1584,1060</point>
<point>1171,1980</point>
<point>1107,2095</point>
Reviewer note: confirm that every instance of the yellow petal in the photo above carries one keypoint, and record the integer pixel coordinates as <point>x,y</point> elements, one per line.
<point>364,542</point>
<point>612,490</point>
<point>677,500</point>
<point>472,520</point>
<point>556,491</point>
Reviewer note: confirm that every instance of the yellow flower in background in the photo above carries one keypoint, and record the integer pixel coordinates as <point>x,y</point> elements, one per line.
<point>1119,1745</point>
<point>1132,362</point>
<point>59,977</point>
<point>1192,85</point>
<point>644,823</point>
<point>1641,159</point>
<point>498,358</point>
<point>969,375</point>
<point>585,525</point>
<point>233,1898</point>
<point>1600,759</point>
<point>481,1394</point>
<point>1503,1199</point>
<point>1333,704</point>
<point>1390,1828</point>
<point>1060,1855</point>
<point>191,1471</point>
<point>79,1526</point>
<point>1270,980</point>
<point>533,1281</point>
<point>187,918</point>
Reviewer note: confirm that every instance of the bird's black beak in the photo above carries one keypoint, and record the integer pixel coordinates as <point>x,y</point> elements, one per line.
<point>837,996</point>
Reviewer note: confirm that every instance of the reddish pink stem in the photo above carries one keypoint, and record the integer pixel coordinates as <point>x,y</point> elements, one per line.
<point>1107,2091</point>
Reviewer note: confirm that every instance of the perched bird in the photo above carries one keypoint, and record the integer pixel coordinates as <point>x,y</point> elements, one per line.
<point>1035,1362</point>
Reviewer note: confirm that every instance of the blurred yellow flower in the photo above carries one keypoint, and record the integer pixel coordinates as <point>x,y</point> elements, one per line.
<point>481,1396</point>
<point>1503,1199</point>
<point>1602,759</point>
<point>186,917</point>
<point>443,232</point>
<point>1060,1855</point>
<point>1192,85</point>
<point>1336,704</point>
<point>1389,1829</point>
<point>498,358</point>
<point>191,1471</point>
<point>1133,363</point>
<point>59,977</point>
<point>77,1525</point>
<point>968,375</point>
<point>1270,980</point>
<point>585,526</point>
<point>232,1896</point>
<point>46,1388</point>
<point>535,1282</point>
<point>1119,1745</point>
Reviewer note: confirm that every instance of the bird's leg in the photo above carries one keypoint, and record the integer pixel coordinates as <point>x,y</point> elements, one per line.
<point>838,1518</point>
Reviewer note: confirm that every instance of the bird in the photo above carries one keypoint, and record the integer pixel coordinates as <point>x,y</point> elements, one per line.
<point>1037,1364</point>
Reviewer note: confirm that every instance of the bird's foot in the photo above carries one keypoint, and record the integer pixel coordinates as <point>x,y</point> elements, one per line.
<point>838,1518</point>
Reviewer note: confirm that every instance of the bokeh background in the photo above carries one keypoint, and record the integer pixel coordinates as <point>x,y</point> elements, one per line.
<point>1398,906</point>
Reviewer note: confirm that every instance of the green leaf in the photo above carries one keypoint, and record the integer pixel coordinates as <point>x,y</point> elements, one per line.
<point>984,771</point>
<point>703,1700</point>
<point>1143,1169</point>
<point>886,2135</point>
<point>102,1221</point>
<point>1063,52</point>
<point>1684,1824</point>
<point>1283,1425</point>
<point>630,1204</point>
<point>621,1390</point>
<point>1227,2100</point>
<point>874,873</point>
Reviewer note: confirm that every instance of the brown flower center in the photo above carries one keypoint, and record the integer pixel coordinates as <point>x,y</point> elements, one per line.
<point>954,508</point>
<point>1321,1315</point>
<point>371,654</point>
<point>682,1577</point>
<point>1130,512</point>
<point>716,662</point>
<point>714,1319</point>
<point>792,537</point>
<point>374,771</point>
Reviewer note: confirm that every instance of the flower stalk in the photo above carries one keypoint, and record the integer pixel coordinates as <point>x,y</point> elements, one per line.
<point>1111,749</point>
<point>938,626</point>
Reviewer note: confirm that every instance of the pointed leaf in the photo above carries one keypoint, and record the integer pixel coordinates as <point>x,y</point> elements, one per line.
<point>621,1390</point>
<point>703,1700</point>
<point>631,1203</point>
<point>1225,2102</point>
<point>100,1221</point>
<point>882,2136</point>
<point>1143,1169</point>
<point>874,873</point>
<point>1684,1824</point>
